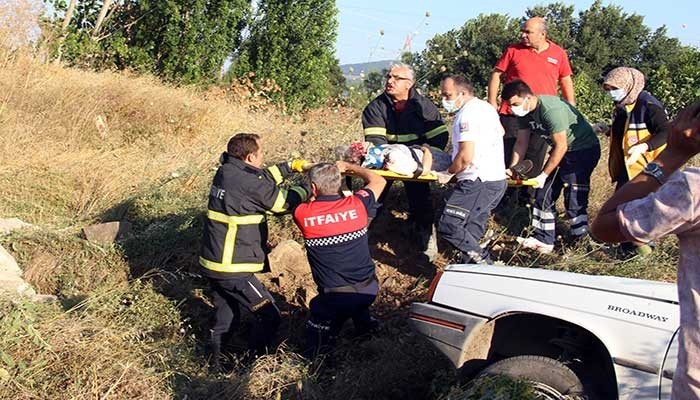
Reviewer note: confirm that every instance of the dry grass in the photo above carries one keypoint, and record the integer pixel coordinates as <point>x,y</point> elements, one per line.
<point>78,147</point>
<point>98,349</point>
<point>74,143</point>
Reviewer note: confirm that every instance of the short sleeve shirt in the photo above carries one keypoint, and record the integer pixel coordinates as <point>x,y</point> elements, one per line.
<point>478,122</point>
<point>553,114</point>
<point>336,240</point>
<point>541,71</point>
<point>675,209</point>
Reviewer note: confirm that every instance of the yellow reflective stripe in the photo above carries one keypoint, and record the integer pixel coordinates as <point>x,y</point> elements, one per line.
<point>235,219</point>
<point>229,243</point>
<point>300,191</point>
<point>402,138</point>
<point>278,206</point>
<point>436,132</point>
<point>240,267</point>
<point>376,131</point>
<point>276,174</point>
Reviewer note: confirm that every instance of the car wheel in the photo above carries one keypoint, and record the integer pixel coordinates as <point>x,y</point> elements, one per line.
<point>550,378</point>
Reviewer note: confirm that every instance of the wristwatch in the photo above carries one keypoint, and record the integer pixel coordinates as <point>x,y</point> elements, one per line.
<point>654,170</point>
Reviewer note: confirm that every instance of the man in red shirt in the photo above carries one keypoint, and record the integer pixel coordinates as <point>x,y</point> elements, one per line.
<point>542,65</point>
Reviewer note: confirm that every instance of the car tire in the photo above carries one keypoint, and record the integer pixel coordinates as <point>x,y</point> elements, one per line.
<point>551,378</point>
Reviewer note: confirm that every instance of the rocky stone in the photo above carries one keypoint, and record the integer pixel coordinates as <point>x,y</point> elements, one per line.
<point>12,284</point>
<point>291,273</point>
<point>289,257</point>
<point>107,232</point>
<point>8,225</point>
<point>11,281</point>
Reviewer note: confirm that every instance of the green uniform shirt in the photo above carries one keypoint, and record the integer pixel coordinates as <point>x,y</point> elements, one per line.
<point>553,115</point>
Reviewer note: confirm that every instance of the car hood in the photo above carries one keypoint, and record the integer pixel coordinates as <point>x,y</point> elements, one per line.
<point>635,287</point>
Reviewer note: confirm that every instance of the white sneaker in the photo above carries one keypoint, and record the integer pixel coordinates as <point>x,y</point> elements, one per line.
<point>534,244</point>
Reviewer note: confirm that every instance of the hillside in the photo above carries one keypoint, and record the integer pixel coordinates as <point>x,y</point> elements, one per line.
<point>354,72</point>
<point>132,319</point>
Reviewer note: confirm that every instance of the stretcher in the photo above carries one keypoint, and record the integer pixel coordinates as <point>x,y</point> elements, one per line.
<point>393,176</point>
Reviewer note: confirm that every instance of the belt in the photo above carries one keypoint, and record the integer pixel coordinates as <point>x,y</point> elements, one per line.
<point>354,288</point>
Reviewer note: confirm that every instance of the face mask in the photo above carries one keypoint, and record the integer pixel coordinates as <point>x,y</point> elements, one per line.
<point>617,95</point>
<point>520,110</point>
<point>450,105</point>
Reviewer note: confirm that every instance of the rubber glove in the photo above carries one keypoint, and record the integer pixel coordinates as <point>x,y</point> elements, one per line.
<point>635,152</point>
<point>539,180</point>
<point>443,177</point>
<point>300,165</point>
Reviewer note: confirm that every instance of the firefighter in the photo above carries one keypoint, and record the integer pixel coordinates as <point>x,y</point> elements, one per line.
<point>402,115</point>
<point>234,244</point>
<point>335,235</point>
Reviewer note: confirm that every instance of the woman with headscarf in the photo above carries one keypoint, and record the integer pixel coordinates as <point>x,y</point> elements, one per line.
<point>638,133</point>
<point>639,128</point>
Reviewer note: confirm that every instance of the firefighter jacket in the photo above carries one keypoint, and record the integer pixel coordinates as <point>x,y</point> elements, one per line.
<point>235,230</point>
<point>418,123</point>
<point>644,121</point>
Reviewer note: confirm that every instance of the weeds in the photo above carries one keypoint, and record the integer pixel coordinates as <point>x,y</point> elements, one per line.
<point>132,321</point>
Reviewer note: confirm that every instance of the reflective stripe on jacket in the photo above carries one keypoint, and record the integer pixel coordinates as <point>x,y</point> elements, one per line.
<point>235,230</point>
<point>419,122</point>
<point>644,121</point>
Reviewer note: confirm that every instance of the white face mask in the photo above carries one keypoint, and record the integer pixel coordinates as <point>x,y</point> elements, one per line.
<point>617,95</point>
<point>521,110</point>
<point>450,105</point>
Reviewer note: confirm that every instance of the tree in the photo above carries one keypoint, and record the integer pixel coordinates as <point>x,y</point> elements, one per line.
<point>561,22</point>
<point>291,42</point>
<point>188,40</point>
<point>607,37</point>
<point>183,41</point>
<point>374,82</point>
<point>471,50</point>
<point>597,40</point>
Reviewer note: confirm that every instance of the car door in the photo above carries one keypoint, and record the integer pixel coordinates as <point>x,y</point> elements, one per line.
<point>668,367</point>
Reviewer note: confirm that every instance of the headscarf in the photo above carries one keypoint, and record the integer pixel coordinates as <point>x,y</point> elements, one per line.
<point>629,79</point>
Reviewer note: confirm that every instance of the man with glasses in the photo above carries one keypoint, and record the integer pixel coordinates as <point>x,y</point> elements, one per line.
<point>541,64</point>
<point>402,115</point>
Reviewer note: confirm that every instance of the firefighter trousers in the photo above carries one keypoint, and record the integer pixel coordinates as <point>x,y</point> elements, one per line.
<point>247,291</point>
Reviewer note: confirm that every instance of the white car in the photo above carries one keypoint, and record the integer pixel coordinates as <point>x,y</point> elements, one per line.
<point>572,335</point>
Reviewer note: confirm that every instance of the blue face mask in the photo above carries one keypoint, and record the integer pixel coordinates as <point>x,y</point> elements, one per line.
<point>617,95</point>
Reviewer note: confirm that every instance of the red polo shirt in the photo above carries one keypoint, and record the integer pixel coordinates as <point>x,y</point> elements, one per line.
<point>541,71</point>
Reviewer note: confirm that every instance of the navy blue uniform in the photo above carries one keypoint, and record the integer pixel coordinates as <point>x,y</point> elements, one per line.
<point>336,239</point>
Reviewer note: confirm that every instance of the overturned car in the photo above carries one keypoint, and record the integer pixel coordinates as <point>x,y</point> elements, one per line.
<point>572,335</point>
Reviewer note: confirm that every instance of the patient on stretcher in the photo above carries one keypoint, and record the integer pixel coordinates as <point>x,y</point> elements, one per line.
<point>411,161</point>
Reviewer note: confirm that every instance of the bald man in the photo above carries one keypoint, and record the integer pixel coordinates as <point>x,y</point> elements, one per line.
<point>545,68</point>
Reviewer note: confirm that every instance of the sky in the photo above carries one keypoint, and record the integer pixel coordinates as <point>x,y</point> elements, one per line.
<point>377,30</point>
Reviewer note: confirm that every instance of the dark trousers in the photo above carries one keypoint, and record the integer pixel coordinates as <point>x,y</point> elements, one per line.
<point>573,176</point>
<point>420,206</point>
<point>536,152</point>
<point>329,311</point>
<point>465,210</point>
<point>248,292</point>
<point>536,148</point>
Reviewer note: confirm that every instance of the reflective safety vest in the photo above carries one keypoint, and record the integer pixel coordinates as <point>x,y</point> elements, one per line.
<point>235,231</point>
<point>644,121</point>
<point>418,123</point>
